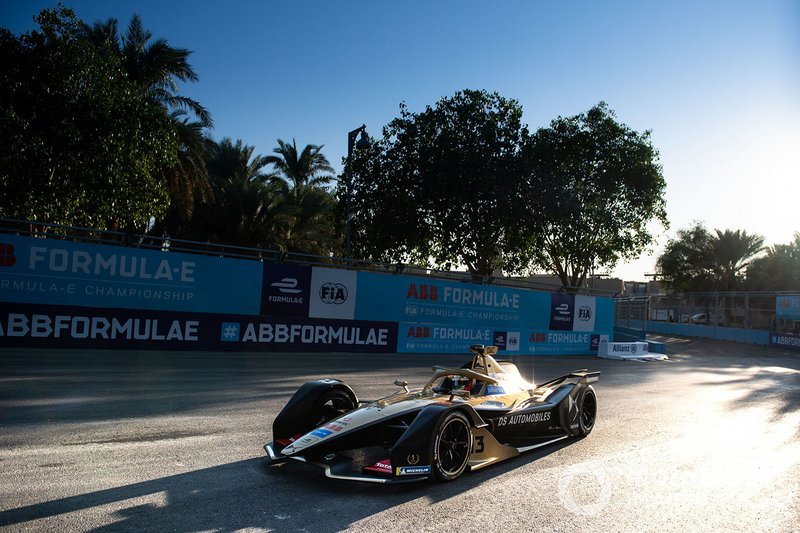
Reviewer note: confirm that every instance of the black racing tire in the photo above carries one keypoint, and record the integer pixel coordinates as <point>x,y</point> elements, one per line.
<point>587,411</point>
<point>451,446</point>
<point>333,404</point>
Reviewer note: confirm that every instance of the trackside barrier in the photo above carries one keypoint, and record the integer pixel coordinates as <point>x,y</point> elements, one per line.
<point>66,293</point>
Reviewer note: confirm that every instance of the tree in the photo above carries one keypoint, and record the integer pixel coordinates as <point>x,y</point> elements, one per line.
<point>778,270</point>
<point>687,262</point>
<point>249,206</point>
<point>80,143</point>
<point>697,260</point>
<point>187,180</point>
<point>158,67</point>
<point>309,167</point>
<point>312,227</point>
<point>155,65</point>
<point>442,186</point>
<point>597,184</point>
<point>732,252</point>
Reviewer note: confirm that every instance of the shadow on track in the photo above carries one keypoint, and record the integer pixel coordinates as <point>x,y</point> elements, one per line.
<point>289,497</point>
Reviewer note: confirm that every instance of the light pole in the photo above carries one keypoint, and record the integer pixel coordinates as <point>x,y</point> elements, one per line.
<point>363,142</point>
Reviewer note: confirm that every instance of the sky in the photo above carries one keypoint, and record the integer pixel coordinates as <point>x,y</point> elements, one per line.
<point>717,82</point>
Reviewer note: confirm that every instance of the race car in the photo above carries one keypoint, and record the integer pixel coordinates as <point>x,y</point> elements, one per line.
<point>463,419</point>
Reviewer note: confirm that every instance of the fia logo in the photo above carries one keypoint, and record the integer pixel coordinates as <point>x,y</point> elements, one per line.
<point>333,293</point>
<point>584,313</point>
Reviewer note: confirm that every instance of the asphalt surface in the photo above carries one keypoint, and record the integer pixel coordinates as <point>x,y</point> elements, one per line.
<point>166,441</point>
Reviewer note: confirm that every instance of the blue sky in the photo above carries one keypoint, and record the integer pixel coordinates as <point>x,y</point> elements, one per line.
<point>718,83</point>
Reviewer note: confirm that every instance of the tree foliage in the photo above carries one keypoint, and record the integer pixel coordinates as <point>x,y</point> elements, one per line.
<point>308,167</point>
<point>158,68</point>
<point>443,186</point>
<point>464,183</point>
<point>597,184</point>
<point>698,260</point>
<point>248,207</point>
<point>80,143</point>
<point>777,270</point>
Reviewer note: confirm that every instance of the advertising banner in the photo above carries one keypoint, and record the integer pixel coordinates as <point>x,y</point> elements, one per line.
<point>787,307</point>
<point>447,317</point>
<point>51,271</point>
<point>35,325</point>
<point>560,342</point>
<point>445,338</point>
<point>414,299</point>
<point>334,293</point>
<point>286,289</point>
<point>785,340</point>
<point>417,337</point>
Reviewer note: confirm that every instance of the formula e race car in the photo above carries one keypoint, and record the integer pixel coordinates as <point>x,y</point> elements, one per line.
<point>463,419</point>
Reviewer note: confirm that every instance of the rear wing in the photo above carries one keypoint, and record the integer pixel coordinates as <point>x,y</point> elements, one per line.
<point>589,377</point>
<point>582,375</point>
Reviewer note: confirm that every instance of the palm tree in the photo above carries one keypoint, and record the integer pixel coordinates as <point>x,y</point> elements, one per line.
<point>158,67</point>
<point>732,251</point>
<point>187,181</point>
<point>249,206</point>
<point>310,167</point>
<point>778,269</point>
<point>312,228</point>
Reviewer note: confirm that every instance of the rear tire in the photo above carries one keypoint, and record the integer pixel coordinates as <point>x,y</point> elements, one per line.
<point>451,447</point>
<point>587,412</point>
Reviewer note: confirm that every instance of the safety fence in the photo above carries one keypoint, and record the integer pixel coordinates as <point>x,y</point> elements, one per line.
<point>765,318</point>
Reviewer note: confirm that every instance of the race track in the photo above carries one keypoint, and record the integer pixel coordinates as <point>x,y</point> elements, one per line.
<point>168,441</point>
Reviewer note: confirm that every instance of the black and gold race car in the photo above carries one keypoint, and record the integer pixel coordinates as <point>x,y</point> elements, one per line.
<point>463,419</point>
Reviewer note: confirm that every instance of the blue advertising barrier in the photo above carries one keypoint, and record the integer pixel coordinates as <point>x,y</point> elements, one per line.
<point>785,340</point>
<point>36,325</point>
<point>787,307</point>
<point>149,298</point>
<point>447,317</point>
<point>51,271</point>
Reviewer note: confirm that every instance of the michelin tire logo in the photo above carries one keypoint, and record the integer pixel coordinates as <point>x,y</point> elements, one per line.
<point>413,470</point>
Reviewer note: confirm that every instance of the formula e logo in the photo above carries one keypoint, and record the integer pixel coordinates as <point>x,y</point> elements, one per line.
<point>7,257</point>
<point>333,293</point>
<point>286,286</point>
<point>584,313</point>
<point>562,309</point>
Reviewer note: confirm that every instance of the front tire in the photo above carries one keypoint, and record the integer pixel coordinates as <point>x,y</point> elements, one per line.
<point>330,405</point>
<point>452,444</point>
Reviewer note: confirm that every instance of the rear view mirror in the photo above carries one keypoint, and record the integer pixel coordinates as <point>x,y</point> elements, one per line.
<point>402,383</point>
